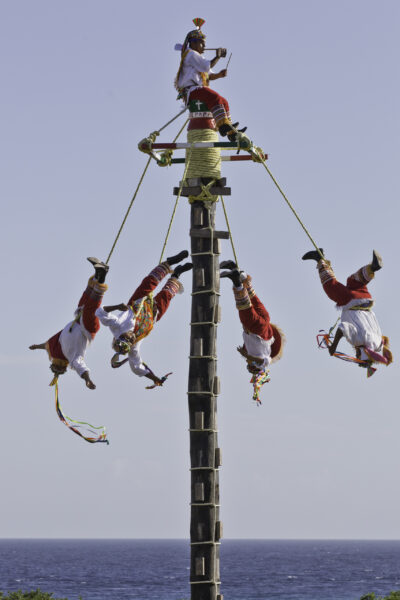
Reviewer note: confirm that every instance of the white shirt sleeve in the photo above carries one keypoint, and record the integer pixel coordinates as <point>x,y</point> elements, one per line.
<point>105,317</point>
<point>79,365</point>
<point>135,362</point>
<point>196,60</point>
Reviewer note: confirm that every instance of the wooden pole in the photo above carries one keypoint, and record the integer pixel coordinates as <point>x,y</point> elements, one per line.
<point>203,389</point>
<point>203,385</point>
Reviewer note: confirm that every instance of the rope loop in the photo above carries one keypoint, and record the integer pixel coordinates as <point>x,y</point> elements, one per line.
<point>256,153</point>
<point>146,144</point>
<point>165,158</point>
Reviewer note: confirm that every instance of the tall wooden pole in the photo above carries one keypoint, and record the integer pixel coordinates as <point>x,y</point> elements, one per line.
<point>203,389</point>
<point>205,459</point>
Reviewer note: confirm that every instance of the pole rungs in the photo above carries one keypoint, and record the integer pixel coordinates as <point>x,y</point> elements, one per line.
<point>207,233</point>
<point>193,181</point>
<point>196,191</point>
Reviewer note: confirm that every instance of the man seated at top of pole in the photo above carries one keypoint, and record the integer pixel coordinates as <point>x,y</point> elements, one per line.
<point>192,79</point>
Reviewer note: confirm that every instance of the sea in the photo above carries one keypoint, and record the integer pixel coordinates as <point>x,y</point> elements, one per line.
<point>159,569</point>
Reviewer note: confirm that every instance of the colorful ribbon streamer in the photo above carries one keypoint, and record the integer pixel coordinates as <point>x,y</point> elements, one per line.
<point>258,380</point>
<point>76,426</point>
<point>324,341</point>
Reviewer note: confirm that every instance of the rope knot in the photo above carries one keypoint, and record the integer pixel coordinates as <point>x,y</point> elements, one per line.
<point>165,158</point>
<point>243,141</point>
<point>256,153</point>
<point>146,144</point>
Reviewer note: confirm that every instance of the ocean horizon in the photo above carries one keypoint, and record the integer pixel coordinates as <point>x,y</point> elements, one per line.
<point>251,569</point>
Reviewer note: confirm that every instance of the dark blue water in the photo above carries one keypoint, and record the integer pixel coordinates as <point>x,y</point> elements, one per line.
<point>159,569</point>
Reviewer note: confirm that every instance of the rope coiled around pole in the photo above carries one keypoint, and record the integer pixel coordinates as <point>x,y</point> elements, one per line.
<point>204,162</point>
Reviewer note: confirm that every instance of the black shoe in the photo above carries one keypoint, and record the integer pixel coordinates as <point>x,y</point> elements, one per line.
<point>234,276</point>
<point>100,272</point>
<point>228,264</point>
<point>232,136</point>
<point>94,260</point>
<point>173,260</point>
<point>313,255</point>
<point>181,269</point>
<point>377,262</point>
<point>100,269</point>
<point>224,129</point>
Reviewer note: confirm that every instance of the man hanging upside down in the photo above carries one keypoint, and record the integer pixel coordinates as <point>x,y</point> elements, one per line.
<point>263,340</point>
<point>192,83</point>
<point>68,347</point>
<point>137,318</point>
<point>358,323</point>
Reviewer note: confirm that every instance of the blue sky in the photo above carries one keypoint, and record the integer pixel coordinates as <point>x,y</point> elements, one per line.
<point>317,85</point>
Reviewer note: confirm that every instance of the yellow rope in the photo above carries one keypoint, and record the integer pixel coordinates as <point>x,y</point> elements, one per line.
<point>180,131</point>
<point>138,186</point>
<point>204,162</point>
<point>176,204</point>
<point>129,208</point>
<point>290,206</point>
<point>229,229</point>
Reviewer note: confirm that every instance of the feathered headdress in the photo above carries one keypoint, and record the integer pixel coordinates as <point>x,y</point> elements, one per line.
<point>195,34</point>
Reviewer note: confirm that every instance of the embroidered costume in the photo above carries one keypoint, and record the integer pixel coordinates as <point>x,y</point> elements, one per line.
<point>358,322</point>
<point>68,346</point>
<point>143,312</point>
<point>192,83</point>
<point>263,340</point>
<point>132,324</point>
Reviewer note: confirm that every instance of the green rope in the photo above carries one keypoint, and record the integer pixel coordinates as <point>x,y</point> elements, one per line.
<point>229,229</point>
<point>290,206</point>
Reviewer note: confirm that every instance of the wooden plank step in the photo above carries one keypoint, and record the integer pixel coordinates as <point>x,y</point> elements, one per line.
<point>196,191</point>
<point>206,233</point>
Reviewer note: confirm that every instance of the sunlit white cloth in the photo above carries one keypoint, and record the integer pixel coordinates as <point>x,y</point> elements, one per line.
<point>193,64</point>
<point>361,327</point>
<point>258,347</point>
<point>74,344</point>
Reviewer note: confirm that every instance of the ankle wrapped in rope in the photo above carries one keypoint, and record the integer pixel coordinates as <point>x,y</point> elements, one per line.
<point>95,289</point>
<point>241,298</point>
<point>325,271</point>
<point>247,283</point>
<point>160,271</point>
<point>174,286</point>
<point>364,275</point>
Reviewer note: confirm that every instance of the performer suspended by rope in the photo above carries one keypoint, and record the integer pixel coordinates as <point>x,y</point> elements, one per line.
<point>358,323</point>
<point>68,347</point>
<point>263,340</point>
<point>137,318</point>
<point>192,79</point>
